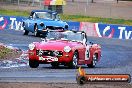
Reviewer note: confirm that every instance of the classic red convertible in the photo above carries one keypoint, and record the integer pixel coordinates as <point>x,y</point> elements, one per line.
<point>68,48</point>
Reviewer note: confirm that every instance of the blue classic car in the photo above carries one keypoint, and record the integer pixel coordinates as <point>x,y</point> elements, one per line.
<point>40,21</point>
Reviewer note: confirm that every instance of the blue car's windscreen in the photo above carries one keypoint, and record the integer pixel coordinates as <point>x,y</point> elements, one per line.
<point>45,15</point>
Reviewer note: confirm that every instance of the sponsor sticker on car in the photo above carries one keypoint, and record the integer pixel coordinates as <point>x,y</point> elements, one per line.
<point>48,59</point>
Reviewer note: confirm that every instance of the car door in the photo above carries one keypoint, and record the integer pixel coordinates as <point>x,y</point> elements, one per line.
<point>82,50</point>
<point>31,22</point>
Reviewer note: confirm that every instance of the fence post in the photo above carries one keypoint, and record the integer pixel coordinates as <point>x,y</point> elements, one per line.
<point>18,2</point>
<point>117,1</point>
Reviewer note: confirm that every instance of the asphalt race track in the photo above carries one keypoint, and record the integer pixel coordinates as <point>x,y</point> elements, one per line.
<point>116,59</point>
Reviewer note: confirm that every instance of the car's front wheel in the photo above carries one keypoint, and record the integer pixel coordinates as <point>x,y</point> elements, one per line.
<point>33,63</point>
<point>94,61</point>
<point>74,62</point>
<point>36,33</point>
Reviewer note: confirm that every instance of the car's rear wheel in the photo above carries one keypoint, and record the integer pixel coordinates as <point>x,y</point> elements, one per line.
<point>36,33</point>
<point>74,62</point>
<point>26,32</point>
<point>33,63</point>
<point>55,64</point>
<point>93,62</point>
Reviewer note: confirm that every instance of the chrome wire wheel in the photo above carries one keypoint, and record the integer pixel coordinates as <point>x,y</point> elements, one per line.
<point>74,62</point>
<point>75,58</point>
<point>94,60</point>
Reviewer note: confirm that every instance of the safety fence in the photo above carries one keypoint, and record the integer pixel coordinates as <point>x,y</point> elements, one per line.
<point>23,2</point>
<point>91,29</point>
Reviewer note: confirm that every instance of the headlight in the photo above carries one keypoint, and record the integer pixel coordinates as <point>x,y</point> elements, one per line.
<point>31,46</point>
<point>41,24</point>
<point>67,49</point>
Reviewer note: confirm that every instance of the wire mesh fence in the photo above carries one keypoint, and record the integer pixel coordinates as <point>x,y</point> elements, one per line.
<point>99,8</point>
<point>23,2</point>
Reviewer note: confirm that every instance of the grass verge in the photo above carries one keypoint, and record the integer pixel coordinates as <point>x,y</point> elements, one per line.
<point>72,17</point>
<point>96,19</point>
<point>13,12</point>
<point>4,52</point>
<point>7,53</point>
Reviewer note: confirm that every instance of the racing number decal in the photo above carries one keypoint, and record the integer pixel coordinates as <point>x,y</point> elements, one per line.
<point>87,53</point>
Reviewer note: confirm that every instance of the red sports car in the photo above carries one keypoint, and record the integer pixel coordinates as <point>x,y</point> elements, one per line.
<point>68,48</point>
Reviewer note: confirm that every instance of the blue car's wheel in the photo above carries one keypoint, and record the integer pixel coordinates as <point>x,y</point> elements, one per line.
<point>26,32</point>
<point>36,33</point>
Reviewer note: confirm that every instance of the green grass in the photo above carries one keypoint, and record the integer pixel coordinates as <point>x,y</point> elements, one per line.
<point>96,19</point>
<point>4,52</point>
<point>13,12</point>
<point>72,17</point>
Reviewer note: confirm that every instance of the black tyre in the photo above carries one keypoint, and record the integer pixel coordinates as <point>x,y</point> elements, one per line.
<point>36,33</point>
<point>55,64</point>
<point>26,32</point>
<point>94,62</point>
<point>74,62</point>
<point>33,63</point>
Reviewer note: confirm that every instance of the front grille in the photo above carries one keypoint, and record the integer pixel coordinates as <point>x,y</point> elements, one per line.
<point>55,28</point>
<point>49,53</point>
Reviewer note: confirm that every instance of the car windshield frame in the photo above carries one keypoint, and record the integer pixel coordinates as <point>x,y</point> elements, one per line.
<point>45,15</point>
<point>65,35</point>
